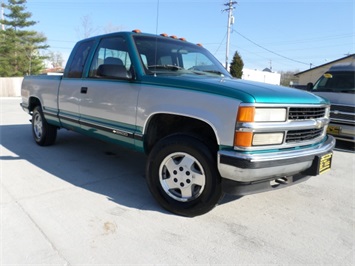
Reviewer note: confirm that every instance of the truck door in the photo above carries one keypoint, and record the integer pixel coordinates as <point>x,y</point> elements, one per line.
<point>108,95</point>
<point>70,88</point>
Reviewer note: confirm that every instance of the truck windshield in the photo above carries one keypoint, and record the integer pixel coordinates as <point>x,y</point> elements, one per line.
<point>163,55</point>
<point>336,82</point>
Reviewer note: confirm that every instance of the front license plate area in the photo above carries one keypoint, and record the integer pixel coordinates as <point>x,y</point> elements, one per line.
<point>321,164</point>
<point>325,163</point>
<point>333,130</point>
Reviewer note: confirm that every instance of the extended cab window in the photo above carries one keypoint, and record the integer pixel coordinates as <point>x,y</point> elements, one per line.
<point>111,59</point>
<point>78,62</point>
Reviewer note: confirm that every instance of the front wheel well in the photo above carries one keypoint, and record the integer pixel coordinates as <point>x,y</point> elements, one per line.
<point>162,125</point>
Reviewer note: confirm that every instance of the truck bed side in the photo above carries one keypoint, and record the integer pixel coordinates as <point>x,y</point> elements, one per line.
<point>42,89</point>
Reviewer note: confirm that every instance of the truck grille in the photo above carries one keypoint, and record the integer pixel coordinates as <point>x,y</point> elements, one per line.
<point>343,113</point>
<point>296,113</point>
<point>342,108</point>
<point>294,136</point>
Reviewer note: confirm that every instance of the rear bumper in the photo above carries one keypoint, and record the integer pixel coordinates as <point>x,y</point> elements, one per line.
<point>25,107</point>
<point>249,173</point>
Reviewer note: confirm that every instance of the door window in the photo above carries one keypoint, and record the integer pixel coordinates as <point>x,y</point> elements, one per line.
<point>111,53</point>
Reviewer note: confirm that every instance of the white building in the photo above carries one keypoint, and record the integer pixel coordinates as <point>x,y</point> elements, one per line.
<point>265,76</point>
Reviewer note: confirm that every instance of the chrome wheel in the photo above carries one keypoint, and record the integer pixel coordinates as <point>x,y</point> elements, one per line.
<point>43,133</point>
<point>182,177</point>
<point>38,126</point>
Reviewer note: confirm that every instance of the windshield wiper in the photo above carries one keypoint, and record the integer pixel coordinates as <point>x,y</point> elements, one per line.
<point>214,72</point>
<point>202,72</point>
<point>169,67</point>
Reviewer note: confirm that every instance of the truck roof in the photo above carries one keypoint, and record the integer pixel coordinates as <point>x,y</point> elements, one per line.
<point>350,66</point>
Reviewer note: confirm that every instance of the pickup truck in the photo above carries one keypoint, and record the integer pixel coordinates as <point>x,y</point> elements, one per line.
<point>338,86</point>
<point>205,133</point>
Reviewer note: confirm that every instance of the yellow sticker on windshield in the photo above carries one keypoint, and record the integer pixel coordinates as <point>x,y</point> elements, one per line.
<point>328,75</point>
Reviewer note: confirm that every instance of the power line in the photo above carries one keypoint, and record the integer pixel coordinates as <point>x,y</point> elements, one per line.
<point>262,47</point>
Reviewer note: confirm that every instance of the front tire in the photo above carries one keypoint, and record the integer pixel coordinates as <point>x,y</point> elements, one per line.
<point>43,133</point>
<point>183,177</point>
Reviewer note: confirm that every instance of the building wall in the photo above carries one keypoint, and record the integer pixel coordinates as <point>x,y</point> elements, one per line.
<point>10,87</point>
<point>314,74</point>
<point>261,76</point>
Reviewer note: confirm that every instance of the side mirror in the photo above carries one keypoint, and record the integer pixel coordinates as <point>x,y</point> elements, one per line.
<point>309,86</point>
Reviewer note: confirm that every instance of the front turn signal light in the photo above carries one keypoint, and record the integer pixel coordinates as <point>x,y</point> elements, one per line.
<point>246,114</point>
<point>243,139</point>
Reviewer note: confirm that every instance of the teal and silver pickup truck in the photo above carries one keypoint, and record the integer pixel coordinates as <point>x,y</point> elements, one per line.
<point>205,133</point>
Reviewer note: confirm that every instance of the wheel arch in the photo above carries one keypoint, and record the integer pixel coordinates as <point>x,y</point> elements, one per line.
<point>33,102</point>
<point>160,125</point>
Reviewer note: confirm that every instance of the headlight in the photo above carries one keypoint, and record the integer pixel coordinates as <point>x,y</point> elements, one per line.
<point>267,139</point>
<point>270,115</point>
<point>258,114</point>
<point>252,114</point>
<point>248,139</point>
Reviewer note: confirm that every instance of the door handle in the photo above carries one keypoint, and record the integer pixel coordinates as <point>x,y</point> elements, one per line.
<point>84,90</point>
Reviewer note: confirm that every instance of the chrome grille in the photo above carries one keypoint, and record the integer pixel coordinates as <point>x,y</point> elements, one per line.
<point>343,113</point>
<point>294,136</point>
<point>296,113</point>
<point>342,108</point>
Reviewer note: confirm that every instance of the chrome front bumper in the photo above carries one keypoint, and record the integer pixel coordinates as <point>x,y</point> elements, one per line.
<point>247,168</point>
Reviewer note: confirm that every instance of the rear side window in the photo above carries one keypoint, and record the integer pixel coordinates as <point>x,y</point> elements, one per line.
<point>76,67</point>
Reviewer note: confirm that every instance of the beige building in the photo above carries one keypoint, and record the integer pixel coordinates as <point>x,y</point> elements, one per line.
<point>313,74</point>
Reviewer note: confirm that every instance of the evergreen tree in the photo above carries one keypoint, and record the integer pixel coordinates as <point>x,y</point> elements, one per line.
<point>20,48</point>
<point>236,67</point>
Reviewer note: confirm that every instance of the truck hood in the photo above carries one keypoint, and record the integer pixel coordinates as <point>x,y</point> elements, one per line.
<point>339,98</point>
<point>246,91</point>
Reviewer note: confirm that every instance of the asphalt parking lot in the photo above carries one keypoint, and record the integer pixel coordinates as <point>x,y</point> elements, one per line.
<point>84,202</point>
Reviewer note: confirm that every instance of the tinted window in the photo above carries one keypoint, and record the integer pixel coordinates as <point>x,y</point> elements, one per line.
<point>78,62</point>
<point>336,81</point>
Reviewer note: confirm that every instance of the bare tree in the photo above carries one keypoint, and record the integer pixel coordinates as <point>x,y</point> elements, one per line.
<point>86,29</point>
<point>55,59</point>
<point>288,77</point>
<point>112,28</point>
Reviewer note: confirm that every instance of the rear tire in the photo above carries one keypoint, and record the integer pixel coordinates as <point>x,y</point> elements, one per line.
<point>182,176</point>
<point>43,133</point>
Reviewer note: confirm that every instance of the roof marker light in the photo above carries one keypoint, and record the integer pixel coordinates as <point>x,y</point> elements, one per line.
<point>136,31</point>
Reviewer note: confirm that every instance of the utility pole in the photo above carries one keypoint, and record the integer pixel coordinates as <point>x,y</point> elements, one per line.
<point>230,7</point>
